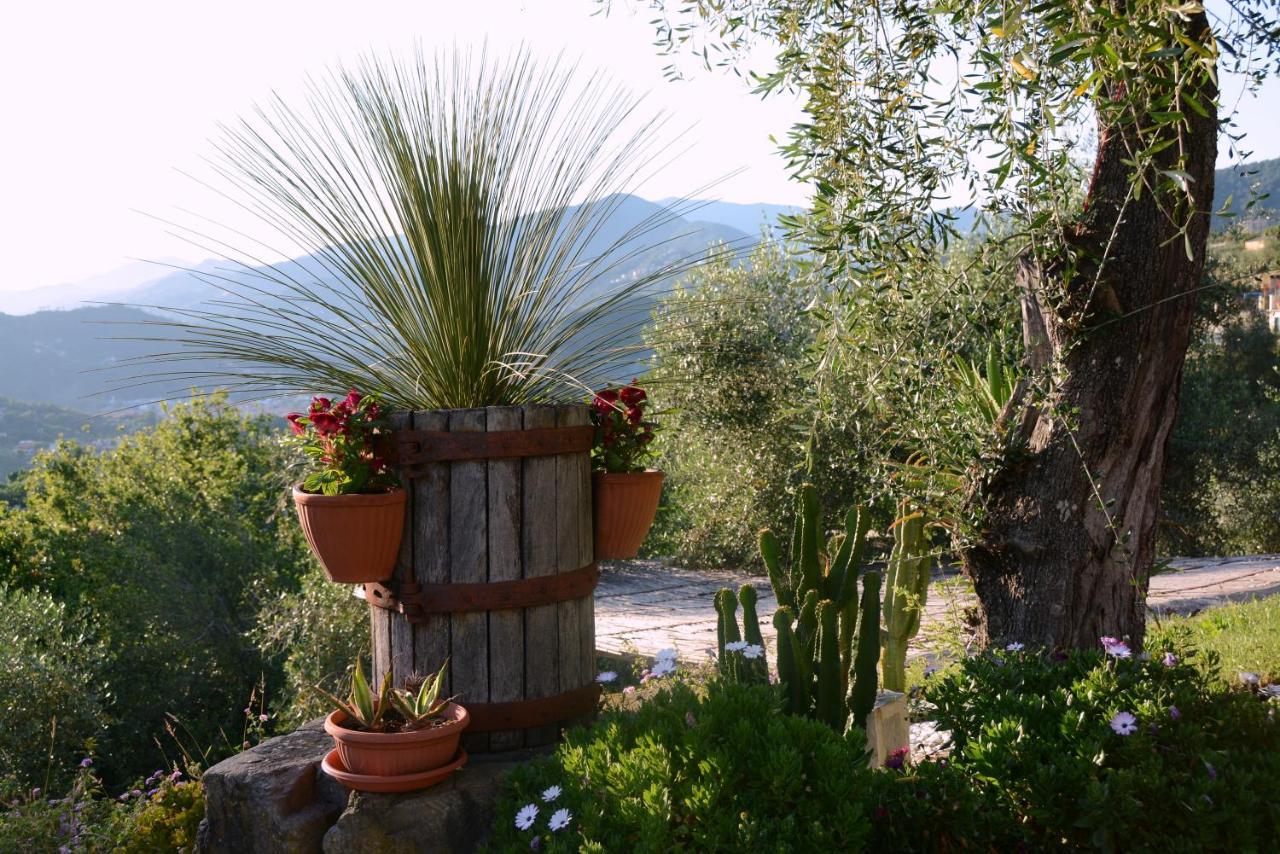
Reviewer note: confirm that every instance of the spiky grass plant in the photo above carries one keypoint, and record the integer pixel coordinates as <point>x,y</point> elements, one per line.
<point>452,215</point>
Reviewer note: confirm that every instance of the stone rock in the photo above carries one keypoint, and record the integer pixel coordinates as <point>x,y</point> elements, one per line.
<point>272,798</point>
<point>887,726</point>
<point>454,816</point>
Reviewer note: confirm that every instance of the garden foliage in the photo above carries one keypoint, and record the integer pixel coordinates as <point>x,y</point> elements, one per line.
<point>1083,750</point>
<point>724,770</point>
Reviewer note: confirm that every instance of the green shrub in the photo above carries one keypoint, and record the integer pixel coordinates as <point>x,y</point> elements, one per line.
<point>722,771</point>
<point>164,818</point>
<point>736,411</point>
<point>167,545</point>
<point>1040,732</point>
<point>48,671</point>
<point>316,633</point>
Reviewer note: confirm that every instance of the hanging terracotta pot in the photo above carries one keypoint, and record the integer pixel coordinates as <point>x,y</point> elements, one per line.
<point>398,754</point>
<point>355,537</point>
<point>625,505</point>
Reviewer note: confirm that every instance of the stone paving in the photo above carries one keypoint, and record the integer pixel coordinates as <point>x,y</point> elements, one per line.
<point>645,606</point>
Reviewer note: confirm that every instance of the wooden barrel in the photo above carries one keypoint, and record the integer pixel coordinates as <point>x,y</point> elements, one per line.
<point>496,572</point>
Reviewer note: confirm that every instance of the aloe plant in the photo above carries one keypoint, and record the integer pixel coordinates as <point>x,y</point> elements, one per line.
<point>421,706</point>
<point>401,708</point>
<point>362,706</point>
<point>452,221</point>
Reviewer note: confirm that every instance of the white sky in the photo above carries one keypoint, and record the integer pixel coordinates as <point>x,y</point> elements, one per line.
<point>103,102</point>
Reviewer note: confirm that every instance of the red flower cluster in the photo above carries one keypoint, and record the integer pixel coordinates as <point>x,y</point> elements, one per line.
<point>339,437</point>
<point>622,433</point>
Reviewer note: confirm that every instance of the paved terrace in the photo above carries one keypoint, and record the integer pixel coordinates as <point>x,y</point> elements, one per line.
<point>645,606</point>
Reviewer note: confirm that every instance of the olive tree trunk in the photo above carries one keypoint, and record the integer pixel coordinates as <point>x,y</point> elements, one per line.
<point>1068,538</point>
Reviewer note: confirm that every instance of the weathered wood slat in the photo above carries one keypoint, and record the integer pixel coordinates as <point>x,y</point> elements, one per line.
<point>568,549</point>
<point>431,639</point>
<point>539,537</point>
<point>400,635</point>
<point>586,554</point>
<point>468,563</point>
<point>506,628</point>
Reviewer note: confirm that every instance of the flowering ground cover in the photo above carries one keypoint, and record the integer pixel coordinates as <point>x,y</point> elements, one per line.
<point>1102,749</point>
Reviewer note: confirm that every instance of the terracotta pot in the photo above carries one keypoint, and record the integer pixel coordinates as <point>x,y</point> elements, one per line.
<point>398,754</point>
<point>333,766</point>
<point>625,505</point>
<point>356,537</point>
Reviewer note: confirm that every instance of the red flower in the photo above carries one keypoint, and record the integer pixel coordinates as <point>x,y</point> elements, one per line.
<point>353,400</point>
<point>298,429</point>
<point>320,404</point>
<point>606,401</point>
<point>632,394</point>
<point>634,414</point>
<point>897,758</point>
<point>325,424</point>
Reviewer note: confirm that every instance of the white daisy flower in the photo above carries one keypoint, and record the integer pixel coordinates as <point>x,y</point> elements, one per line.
<point>526,817</point>
<point>1013,647</point>
<point>735,646</point>
<point>550,793</point>
<point>606,676</point>
<point>662,668</point>
<point>1115,647</point>
<point>560,819</point>
<point>753,651</point>
<point>1124,723</point>
<point>667,654</point>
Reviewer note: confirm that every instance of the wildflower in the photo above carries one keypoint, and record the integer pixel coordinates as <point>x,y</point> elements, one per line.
<point>735,646</point>
<point>897,758</point>
<point>753,651</point>
<point>1115,647</point>
<point>526,817</point>
<point>560,819</point>
<point>535,843</point>
<point>86,762</point>
<point>137,793</point>
<point>248,713</point>
<point>550,793</point>
<point>1170,659</point>
<point>661,668</point>
<point>667,654</point>
<point>124,796</point>
<point>606,676</point>
<point>64,850</point>
<point>1174,713</point>
<point>630,689</point>
<point>1013,647</point>
<point>263,718</point>
<point>1272,690</point>
<point>1124,723</point>
<point>1250,679</point>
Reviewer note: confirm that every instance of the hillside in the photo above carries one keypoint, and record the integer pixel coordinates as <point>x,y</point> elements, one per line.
<point>26,428</point>
<point>72,357</point>
<point>1236,183</point>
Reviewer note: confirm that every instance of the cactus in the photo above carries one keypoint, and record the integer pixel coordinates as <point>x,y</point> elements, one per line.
<point>831,701</point>
<point>816,585</point>
<point>905,590</point>
<point>789,662</point>
<point>751,633</point>
<point>733,665</point>
<point>862,676</point>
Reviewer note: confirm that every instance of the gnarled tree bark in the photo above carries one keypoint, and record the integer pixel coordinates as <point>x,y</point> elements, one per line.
<point>1069,530</point>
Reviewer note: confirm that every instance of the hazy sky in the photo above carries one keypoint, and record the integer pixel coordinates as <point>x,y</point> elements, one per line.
<point>104,102</point>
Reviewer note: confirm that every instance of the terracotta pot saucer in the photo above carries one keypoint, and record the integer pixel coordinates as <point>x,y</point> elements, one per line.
<point>333,766</point>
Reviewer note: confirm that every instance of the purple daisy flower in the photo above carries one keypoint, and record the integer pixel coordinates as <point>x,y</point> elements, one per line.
<point>1124,723</point>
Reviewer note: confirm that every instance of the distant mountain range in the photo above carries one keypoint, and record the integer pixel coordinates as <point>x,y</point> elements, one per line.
<point>68,350</point>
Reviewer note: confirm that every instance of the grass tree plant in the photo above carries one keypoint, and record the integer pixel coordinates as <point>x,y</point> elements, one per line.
<point>452,218</point>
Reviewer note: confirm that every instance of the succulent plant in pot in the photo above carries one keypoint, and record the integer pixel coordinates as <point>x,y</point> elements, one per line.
<point>350,507</point>
<point>396,734</point>
<point>626,490</point>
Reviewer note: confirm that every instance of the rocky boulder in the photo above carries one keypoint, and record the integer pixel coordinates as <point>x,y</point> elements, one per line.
<point>272,798</point>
